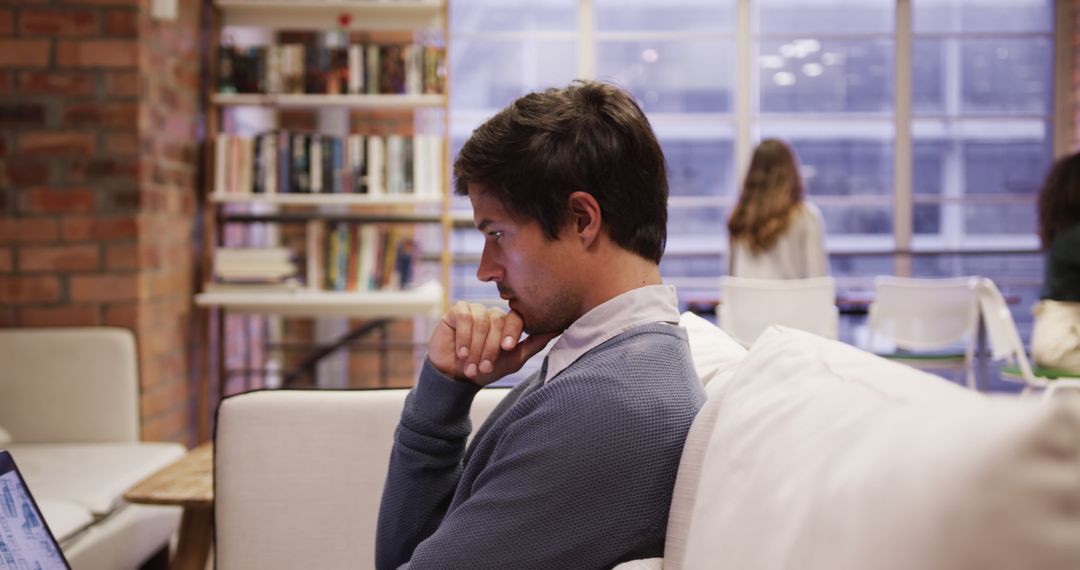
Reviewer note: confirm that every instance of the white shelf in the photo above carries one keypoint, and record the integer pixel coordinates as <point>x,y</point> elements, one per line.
<point>424,300</point>
<point>323,15</point>
<point>318,101</point>
<point>302,199</point>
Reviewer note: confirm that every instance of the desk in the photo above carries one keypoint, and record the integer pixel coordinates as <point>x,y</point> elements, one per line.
<point>188,483</point>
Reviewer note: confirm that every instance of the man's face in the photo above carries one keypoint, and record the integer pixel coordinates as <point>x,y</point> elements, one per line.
<point>540,278</point>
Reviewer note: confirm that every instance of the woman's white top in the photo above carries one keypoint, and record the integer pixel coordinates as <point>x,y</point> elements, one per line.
<point>798,254</point>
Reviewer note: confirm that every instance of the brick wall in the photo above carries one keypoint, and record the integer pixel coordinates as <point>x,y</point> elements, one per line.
<point>98,110</point>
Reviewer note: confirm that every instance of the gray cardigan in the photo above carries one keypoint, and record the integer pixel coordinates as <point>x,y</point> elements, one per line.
<point>575,473</point>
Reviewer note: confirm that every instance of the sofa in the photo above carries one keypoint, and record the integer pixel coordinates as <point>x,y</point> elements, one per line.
<point>808,454</point>
<point>69,415</point>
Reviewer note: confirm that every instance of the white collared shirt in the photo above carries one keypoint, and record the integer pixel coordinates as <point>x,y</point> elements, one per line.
<point>641,306</point>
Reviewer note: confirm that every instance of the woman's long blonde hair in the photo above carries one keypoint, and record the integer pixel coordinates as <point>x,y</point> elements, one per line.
<point>770,195</point>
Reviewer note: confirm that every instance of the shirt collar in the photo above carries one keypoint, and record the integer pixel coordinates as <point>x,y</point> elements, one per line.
<point>644,305</point>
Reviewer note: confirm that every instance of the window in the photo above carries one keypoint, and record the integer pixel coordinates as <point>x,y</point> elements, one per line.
<point>822,74</point>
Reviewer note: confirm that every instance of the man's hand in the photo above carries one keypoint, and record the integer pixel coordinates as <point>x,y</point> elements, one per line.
<point>479,344</point>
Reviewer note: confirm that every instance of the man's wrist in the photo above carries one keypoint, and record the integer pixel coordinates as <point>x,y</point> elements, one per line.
<point>443,398</point>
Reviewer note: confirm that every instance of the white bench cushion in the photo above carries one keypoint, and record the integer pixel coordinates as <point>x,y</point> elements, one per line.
<point>94,475</point>
<point>822,456</point>
<point>65,518</point>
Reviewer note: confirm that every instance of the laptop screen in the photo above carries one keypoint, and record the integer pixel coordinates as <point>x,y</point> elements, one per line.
<point>25,540</point>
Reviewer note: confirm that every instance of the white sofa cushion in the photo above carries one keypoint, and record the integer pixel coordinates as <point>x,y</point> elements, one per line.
<point>65,518</point>
<point>818,455</point>
<point>716,355</point>
<point>94,475</point>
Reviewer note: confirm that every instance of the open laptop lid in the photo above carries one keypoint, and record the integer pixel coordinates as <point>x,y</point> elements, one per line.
<point>25,538</point>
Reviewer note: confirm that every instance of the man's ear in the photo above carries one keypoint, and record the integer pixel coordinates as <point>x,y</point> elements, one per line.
<point>585,213</point>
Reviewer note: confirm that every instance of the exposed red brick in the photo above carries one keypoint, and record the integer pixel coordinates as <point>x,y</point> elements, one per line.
<point>129,3</point>
<point>21,173</point>
<point>7,82</point>
<point>72,257</point>
<point>29,289</point>
<point>68,84</point>
<point>96,53</point>
<point>102,229</point>
<point>122,256</point>
<point>5,260</point>
<point>58,22</point>
<point>24,53</point>
<point>122,84</point>
<point>28,230</point>
<point>63,316</point>
<point>106,115</point>
<point>22,115</point>
<point>121,143</point>
<point>116,287</point>
<point>120,23</point>
<point>57,201</point>
<point>162,398</point>
<point>56,143</point>
<point>121,315</point>
<point>7,22</point>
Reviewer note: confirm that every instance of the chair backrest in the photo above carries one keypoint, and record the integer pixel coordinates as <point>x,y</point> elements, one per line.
<point>924,314</point>
<point>298,475</point>
<point>749,306</point>
<point>69,384</point>
<point>1005,341</point>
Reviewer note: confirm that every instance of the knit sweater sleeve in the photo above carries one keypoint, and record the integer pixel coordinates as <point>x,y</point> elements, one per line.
<point>425,464</point>
<point>563,488</point>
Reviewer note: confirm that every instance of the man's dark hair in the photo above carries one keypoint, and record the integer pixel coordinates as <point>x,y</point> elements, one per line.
<point>589,137</point>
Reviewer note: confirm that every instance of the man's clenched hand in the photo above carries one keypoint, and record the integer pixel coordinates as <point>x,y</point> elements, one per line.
<point>480,344</point>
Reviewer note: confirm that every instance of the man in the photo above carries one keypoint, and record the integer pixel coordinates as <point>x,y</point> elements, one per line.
<point>575,467</point>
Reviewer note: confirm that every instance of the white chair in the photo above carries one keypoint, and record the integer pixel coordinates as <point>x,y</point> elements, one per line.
<point>926,315</point>
<point>749,306</point>
<point>1006,344</point>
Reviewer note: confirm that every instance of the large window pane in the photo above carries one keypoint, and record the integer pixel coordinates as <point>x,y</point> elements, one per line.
<point>489,74</point>
<point>1005,75</point>
<point>1015,168</point>
<point>826,16</point>
<point>671,76</point>
<point>512,15</point>
<point>826,75</point>
<point>698,167</point>
<point>653,16</point>
<point>982,15</point>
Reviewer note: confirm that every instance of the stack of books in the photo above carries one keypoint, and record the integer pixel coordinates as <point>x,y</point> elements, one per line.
<point>254,269</point>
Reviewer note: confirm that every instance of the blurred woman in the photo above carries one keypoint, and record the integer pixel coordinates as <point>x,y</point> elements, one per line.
<point>773,232</point>
<point>1055,341</point>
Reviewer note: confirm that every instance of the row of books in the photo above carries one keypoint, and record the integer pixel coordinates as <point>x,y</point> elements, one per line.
<point>296,68</point>
<point>345,257</point>
<point>364,257</point>
<point>292,162</point>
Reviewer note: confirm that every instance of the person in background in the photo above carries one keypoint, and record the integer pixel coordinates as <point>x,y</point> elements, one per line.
<point>576,466</point>
<point>1055,340</point>
<point>774,233</point>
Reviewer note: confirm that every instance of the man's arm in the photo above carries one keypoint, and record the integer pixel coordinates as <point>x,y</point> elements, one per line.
<point>571,484</point>
<point>425,465</point>
<point>471,347</point>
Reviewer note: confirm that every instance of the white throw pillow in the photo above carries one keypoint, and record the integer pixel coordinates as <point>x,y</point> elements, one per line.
<point>821,456</point>
<point>716,355</point>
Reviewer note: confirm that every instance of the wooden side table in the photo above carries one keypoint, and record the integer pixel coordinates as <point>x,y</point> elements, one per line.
<point>188,483</point>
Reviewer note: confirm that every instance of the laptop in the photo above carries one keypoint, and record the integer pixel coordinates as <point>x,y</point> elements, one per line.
<point>26,543</point>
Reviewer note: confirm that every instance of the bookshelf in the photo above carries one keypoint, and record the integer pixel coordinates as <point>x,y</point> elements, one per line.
<point>354,95</point>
